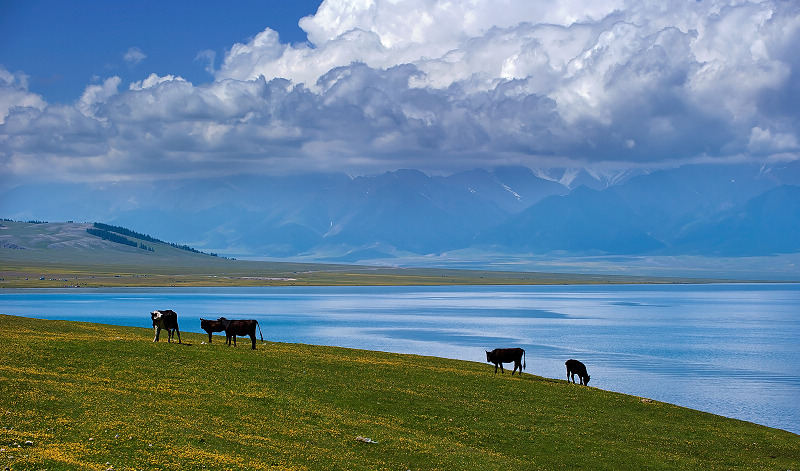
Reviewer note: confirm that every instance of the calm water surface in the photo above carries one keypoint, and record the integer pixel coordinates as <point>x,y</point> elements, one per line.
<point>731,350</point>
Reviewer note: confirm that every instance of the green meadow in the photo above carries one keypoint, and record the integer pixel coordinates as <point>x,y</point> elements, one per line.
<point>98,397</point>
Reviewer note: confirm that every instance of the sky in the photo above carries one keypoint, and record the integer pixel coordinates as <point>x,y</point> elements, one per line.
<point>151,90</point>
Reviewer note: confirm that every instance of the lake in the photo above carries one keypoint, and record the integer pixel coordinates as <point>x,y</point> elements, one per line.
<point>729,349</point>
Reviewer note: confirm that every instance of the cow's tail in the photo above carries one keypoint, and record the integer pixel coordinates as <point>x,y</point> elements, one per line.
<point>523,360</point>
<point>259,331</point>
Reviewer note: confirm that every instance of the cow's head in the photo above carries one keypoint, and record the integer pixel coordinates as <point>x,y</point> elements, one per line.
<point>586,380</point>
<point>155,315</point>
<point>488,356</point>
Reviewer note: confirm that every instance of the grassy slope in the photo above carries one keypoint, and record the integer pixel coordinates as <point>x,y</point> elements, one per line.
<point>64,254</point>
<point>86,395</point>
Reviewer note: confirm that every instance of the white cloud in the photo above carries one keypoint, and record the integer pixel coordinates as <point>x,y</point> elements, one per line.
<point>94,95</point>
<point>763,141</point>
<point>153,80</point>
<point>209,57</point>
<point>14,93</point>
<point>383,84</point>
<point>134,56</point>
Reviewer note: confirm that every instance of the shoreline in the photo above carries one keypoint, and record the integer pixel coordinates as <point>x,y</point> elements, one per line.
<point>34,275</point>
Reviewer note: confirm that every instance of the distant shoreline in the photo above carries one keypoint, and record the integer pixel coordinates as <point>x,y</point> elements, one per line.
<point>242,274</point>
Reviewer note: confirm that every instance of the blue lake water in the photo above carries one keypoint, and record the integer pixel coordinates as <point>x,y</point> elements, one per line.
<point>732,350</point>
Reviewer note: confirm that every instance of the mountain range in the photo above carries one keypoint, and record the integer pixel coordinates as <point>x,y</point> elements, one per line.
<point>731,210</point>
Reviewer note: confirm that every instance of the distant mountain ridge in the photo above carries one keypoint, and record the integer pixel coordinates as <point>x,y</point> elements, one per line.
<point>711,210</point>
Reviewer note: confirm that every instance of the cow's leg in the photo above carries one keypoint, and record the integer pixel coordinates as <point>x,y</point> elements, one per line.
<point>501,368</point>
<point>253,338</point>
<point>209,337</point>
<point>158,331</point>
<point>179,334</point>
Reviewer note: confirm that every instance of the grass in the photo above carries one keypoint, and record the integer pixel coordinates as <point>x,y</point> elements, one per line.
<point>241,273</point>
<point>98,397</point>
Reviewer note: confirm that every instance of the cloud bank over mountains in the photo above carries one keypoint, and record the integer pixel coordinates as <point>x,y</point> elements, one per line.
<point>440,87</point>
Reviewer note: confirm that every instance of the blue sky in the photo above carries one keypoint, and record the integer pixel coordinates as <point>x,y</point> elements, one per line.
<point>110,91</point>
<point>64,45</point>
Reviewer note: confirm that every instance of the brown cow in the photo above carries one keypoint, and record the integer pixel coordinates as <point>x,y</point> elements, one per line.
<point>240,327</point>
<point>211,327</point>
<point>498,356</point>
<point>165,319</point>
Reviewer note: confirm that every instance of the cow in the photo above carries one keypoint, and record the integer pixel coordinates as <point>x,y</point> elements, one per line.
<point>498,356</point>
<point>211,326</point>
<point>575,367</point>
<point>165,319</point>
<point>240,327</point>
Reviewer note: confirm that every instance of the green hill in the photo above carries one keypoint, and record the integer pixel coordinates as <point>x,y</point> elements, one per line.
<point>87,396</point>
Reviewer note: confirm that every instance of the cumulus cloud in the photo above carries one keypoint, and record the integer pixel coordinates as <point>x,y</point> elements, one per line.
<point>95,95</point>
<point>152,80</point>
<point>444,86</point>
<point>14,94</point>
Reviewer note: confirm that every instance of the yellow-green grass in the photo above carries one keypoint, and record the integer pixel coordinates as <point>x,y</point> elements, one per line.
<point>241,273</point>
<point>89,396</point>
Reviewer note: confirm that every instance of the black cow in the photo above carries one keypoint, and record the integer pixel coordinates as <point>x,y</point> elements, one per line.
<point>575,367</point>
<point>211,327</point>
<point>240,327</point>
<point>165,319</point>
<point>498,356</point>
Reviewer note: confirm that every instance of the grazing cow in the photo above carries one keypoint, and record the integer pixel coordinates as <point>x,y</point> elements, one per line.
<point>498,356</point>
<point>211,327</point>
<point>165,319</point>
<point>575,367</point>
<point>240,327</point>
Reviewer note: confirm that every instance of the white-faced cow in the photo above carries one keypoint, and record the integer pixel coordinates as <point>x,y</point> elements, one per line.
<point>240,327</point>
<point>574,367</point>
<point>211,327</point>
<point>165,319</point>
<point>498,356</point>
